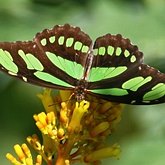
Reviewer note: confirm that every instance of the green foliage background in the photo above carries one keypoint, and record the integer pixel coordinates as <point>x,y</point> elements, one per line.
<point>141,132</point>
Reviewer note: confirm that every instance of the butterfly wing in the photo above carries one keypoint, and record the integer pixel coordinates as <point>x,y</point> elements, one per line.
<point>55,58</point>
<point>118,73</point>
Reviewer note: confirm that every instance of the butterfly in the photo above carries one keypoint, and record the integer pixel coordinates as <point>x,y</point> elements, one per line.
<point>66,58</point>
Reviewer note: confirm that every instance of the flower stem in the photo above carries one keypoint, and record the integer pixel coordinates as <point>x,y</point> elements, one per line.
<point>60,157</point>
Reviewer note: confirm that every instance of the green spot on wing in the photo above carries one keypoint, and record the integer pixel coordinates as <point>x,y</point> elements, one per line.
<point>51,79</point>
<point>146,80</point>
<point>78,70</point>
<point>8,55</point>
<point>110,50</point>
<point>126,53</point>
<point>118,70</point>
<point>100,73</point>
<point>34,62</point>
<point>159,87</point>
<point>22,54</point>
<point>101,50</point>
<point>61,40</point>
<point>6,61</point>
<point>43,42</point>
<point>69,42</point>
<point>85,49</point>
<point>132,82</point>
<point>52,39</point>
<point>95,51</point>
<point>133,59</point>
<point>118,51</point>
<point>56,60</point>
<point>77,45</point>
<point>31,61</point>
<point>135,83</point>
<point>111,91</point>
<point>73,69</point>
<point>157,92</point>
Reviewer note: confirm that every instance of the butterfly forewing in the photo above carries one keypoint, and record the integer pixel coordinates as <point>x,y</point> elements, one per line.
<point>113,55</point>
<point>55,58</point>
<point>65,41</point>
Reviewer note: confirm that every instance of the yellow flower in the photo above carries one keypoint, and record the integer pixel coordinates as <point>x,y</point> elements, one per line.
<point>73,131</point>
<point>24,156</point>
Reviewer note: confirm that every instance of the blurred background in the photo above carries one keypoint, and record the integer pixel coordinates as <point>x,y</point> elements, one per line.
<point>141,132</point>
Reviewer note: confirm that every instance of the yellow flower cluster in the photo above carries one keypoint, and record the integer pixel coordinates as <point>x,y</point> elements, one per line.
<point>71,131</point>
<point>24,155</point>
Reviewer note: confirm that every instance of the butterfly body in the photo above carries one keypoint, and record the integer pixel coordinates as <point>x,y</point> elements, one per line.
<point>64,57</point>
